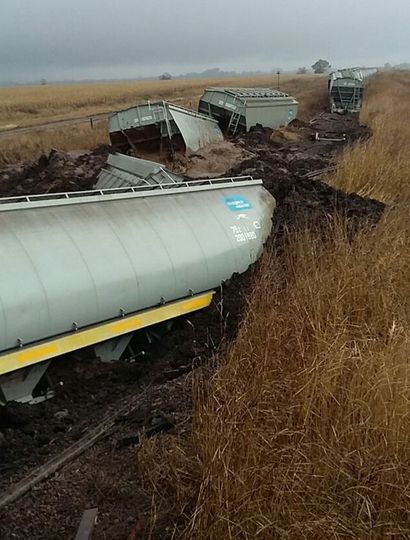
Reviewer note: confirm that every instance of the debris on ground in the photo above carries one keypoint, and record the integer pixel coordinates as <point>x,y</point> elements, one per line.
<point>86,527</point>
<point>286,134</point>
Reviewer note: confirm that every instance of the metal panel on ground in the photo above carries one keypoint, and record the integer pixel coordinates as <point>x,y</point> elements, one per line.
<point>121,170</point>
<point>197,131</point>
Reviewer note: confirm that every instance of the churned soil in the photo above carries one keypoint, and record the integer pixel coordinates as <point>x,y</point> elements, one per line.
<point>60,171</point>
<point>292,169</point>
<point>106,476</point>
<point>53,173</point>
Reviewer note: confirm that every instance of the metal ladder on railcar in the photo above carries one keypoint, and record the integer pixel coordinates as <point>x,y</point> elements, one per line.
<point>160,114</point>
<point>233,123</point>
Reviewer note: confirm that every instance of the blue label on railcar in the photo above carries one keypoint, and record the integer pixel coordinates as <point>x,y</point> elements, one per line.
<point>237,203</point>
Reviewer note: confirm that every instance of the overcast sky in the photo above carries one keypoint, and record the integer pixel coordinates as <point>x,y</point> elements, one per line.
<point>97,39</point>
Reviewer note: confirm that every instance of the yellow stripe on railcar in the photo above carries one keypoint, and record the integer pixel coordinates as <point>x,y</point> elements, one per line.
<point>29,355</point>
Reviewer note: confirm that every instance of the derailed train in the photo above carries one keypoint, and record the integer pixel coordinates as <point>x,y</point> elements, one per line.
<point>90,268</point>
<point>346,89</point>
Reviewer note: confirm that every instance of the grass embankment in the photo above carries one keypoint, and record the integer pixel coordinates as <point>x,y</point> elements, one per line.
<point>380,168</point>
<point>303,431</point>
<point>25,106</point>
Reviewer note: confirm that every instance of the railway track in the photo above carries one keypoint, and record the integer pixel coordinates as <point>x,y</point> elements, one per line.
<point>106,426</point>
<point>56,124</point>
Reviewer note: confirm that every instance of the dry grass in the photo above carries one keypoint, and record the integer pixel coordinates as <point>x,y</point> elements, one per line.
<point>33,145</point>
<point>34,105</point>
<point>380,168</point>
<point>303,431</point>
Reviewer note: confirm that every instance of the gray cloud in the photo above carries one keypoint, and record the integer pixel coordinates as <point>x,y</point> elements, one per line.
<point>127,38</point>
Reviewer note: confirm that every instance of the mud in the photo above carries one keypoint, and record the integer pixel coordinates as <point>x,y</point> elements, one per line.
<point>284,166</point>
<point>53,173</point>
<point>78,171</point>
<point>31,435</point>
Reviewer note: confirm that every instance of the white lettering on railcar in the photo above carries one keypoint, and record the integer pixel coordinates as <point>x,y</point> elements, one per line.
<point>242,234</point>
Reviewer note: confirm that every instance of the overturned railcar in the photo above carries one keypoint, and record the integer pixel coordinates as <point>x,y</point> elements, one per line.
<point>240,109</point>
<point>126,171</point>
<point>161,127</point>
<point>87,269</point>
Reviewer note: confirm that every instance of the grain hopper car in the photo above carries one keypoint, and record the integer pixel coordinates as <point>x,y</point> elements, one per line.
<point>240,109</point>
<point>161,127</point>
<point>88,269</point>
<point>346,89</point>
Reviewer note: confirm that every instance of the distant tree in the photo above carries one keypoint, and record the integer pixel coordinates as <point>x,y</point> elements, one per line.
<point>43,82</point>
<point>165,77</point>
<point>302,71</point>
<point>321,66</point>
<point>387,65</point>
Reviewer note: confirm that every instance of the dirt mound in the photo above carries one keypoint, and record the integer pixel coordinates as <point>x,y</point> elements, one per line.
<point>334,125</point>
<point>284,164</point>
<point>212,161</point>
<point>287,134</point>
<point>300,198</point>
<point>77,171</point>
<point>57,172</point>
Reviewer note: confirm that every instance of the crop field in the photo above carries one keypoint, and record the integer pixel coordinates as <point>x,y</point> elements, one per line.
<point>33,105</point>
<point>303,430</point>
<point>30,105</point>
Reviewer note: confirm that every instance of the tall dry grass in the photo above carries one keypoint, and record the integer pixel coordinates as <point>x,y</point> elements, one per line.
<point>33,145</point>
<point>303,430</point>
<point>380,167</point>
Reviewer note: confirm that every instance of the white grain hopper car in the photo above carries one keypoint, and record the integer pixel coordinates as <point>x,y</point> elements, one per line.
<point>163,127</point>
<point>90,268</point>
<point>346,89</point>
<point>241,109</point>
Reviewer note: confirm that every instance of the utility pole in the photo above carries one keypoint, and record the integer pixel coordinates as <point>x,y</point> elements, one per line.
<point>278,74</point>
